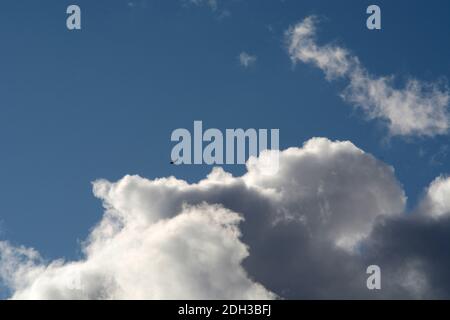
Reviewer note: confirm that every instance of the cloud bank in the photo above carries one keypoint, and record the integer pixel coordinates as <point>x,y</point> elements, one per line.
<point>419,109</point>
<point>195,255</point>
<point>310,231</point>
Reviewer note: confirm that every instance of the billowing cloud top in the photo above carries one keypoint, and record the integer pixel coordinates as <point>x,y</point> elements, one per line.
<point>309,231</point>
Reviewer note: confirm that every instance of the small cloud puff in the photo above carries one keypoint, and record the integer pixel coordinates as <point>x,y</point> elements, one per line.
<point>246,60</point>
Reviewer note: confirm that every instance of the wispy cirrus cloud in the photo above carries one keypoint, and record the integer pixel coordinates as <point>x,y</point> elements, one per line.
<point>417,109</point>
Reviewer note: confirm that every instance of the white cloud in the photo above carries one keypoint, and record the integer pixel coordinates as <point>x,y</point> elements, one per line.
<point>166,238</point>
<point>246,60</point>
<point>195,255</point>
<point>436,202</point>
<point>333,60</point>
<point>419,109</point>
<point>309,231</point>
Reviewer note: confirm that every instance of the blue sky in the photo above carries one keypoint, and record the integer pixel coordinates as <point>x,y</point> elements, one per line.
<point>102,102</point>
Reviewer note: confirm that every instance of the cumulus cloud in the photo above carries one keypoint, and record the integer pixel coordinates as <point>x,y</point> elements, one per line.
<point>436,202</point>
<point>412,251</point>
<point>309,231</point>
<point>418,109</point>
<point>246,60</point>
<point>195,255</point>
